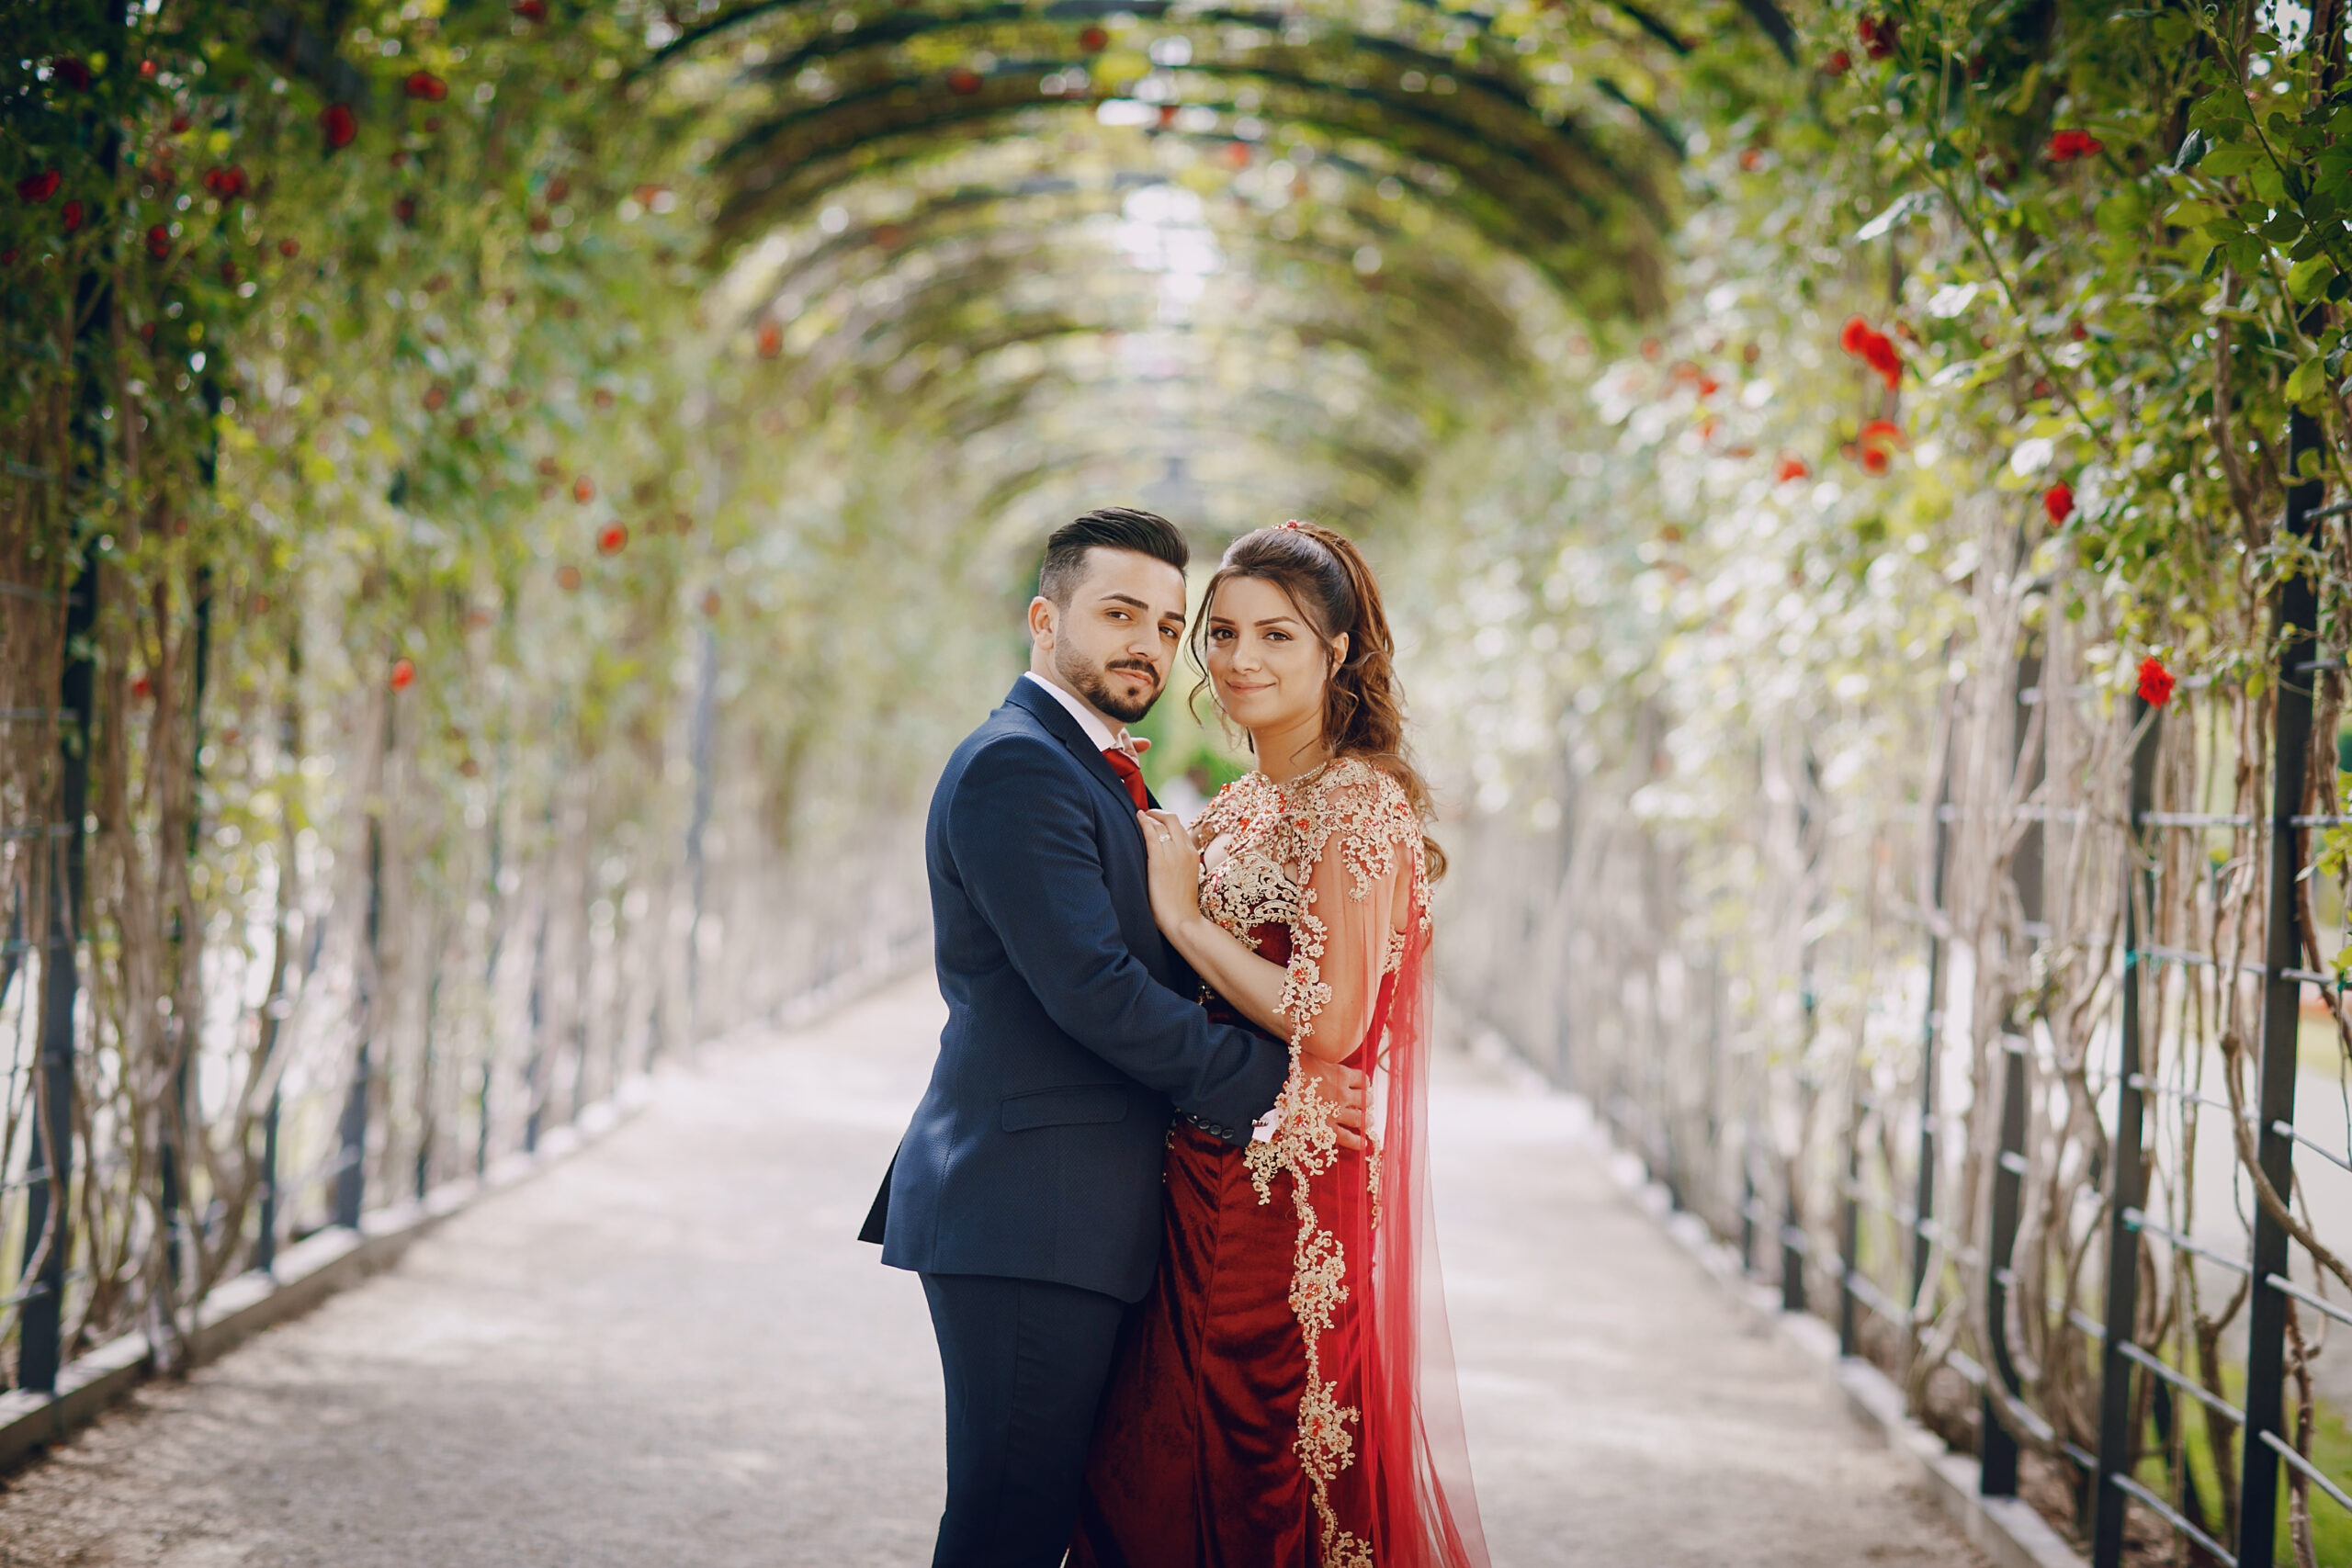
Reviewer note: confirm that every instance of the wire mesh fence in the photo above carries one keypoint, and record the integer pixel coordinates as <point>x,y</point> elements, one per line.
<point>2027,1069</point>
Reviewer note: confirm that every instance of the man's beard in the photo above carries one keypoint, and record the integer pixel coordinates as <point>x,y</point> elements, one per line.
<point>1090,680</point>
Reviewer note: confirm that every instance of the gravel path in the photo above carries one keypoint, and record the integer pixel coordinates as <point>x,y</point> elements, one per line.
<point>668,1351</point>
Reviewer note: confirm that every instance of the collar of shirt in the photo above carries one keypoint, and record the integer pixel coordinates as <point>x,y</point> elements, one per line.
<point>1088,719</point>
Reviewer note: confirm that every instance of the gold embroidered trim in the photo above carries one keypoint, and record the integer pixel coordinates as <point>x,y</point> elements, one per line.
<point>1278,840</point>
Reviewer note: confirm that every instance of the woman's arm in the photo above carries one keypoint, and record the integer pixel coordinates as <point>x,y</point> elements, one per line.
<point>1336,987</point>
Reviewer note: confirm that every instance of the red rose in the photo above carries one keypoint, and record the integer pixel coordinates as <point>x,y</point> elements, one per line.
<point>71,214</point>
<point>1879,353</point>
<point>403,675</point>
<point>963,79</point>
<point>1093,40</point>
<point>584,489</point>
<point>2059,501</point>
<point>226,182</point>
<point>72,72</point>
<point>143,687</point>
<point>1877,34</point>
<point>437,397</point>
<point>159,242</point>
<point>339,124</point>
<point>39,188</point>
<point>612,539</point>
<point>290,248</point>
<point>1856,334</point>
<point>1790,469</point>
<point>180,123</point>
<point>147,70</point>
<point>425,84</point>
<point>1839,63</point>
<point>2067,145</point>
<point>1750,158</point>
<point>771,340</point>
<point>2155,681</point>
<point>531,10</point>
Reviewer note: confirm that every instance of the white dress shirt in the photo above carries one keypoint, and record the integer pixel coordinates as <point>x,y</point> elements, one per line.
<point>1088,719</point>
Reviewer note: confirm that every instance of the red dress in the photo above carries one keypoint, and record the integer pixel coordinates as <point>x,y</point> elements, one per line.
<point>1268,1406</point>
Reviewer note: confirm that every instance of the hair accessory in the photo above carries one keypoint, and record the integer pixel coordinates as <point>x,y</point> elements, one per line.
<point>1292,523</point>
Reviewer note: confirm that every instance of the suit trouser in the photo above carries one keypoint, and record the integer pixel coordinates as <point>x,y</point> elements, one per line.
<point>1025,1361</point>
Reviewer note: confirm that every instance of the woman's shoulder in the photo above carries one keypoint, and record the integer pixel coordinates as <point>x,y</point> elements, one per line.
<point>1357,793</point>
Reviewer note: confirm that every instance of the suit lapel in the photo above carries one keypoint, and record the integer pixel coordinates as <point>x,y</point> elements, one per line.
<point>1039,704</point>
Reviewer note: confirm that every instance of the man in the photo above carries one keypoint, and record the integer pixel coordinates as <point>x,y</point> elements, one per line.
<point>1026,1192</point>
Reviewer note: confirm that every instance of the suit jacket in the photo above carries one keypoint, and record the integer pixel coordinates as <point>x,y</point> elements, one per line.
<point>1072,1028</point>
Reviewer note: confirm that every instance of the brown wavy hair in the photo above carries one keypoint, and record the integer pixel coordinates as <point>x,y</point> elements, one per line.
<point>1327,578</point>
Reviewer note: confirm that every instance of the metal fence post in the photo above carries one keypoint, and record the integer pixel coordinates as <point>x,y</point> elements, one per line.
<point>351,1168</point>
<point>1931,1023</point>
<point>1996,1450</point>
<point>1850,1226</point>
<point>2296,617</point>
<point>48,1231</point>
<point>2116,1437</point>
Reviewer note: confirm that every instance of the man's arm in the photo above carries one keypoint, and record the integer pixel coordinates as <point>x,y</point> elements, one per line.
<point>1024,846</point>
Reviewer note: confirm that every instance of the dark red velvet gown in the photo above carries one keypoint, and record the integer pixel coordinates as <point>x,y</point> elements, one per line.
<point>1193,1464</point>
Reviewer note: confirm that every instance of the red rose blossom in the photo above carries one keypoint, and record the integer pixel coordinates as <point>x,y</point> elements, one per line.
<point>584,489</point>
<point>771,340</point>
<point>339,124</point>
<point>612,539</point>
<point>2155,681</point>
<point>1093,40</point>
<point>2059,501</point>
<point>159,242</point>
<point>226,182</point>
<point>425,85</point>
<point>1877,34</point>
<point>531,10</point>
<point>290,248</point>
<point>403,674</point>
<point>1790,469</point>
<point>2067,145</point>
<point>39,188</point>
<point>71,214</point>
<point>1839,63</point>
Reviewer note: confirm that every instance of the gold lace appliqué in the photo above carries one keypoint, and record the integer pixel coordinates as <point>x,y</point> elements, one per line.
<point>1279,837</point>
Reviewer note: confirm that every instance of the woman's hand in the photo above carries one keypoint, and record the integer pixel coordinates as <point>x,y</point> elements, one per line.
<point>1174,871</point>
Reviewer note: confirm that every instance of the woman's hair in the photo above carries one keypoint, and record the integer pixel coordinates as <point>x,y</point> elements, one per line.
<point>1327,578</point>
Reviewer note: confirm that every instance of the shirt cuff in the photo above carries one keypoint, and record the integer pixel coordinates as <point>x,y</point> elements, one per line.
<point>1262,1130</point>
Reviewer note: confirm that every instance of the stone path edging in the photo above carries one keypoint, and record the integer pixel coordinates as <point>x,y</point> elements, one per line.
<point>2006,1529</point>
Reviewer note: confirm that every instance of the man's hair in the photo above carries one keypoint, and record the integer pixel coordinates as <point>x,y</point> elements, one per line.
<point>1110,528</point>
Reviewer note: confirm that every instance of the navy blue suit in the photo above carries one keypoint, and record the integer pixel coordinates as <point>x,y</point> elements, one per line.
<point>1026,1191</point>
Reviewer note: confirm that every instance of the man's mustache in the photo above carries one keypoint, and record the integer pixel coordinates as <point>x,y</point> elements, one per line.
<point>1139,666</point>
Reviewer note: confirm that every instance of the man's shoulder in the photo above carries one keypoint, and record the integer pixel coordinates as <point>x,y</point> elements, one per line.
<point>1009,740</point>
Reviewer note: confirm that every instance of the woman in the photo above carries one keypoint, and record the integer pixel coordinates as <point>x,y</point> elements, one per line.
<point>1284,1397</point>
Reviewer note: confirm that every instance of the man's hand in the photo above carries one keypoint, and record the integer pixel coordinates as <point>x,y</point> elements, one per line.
<point>1345,1088</point>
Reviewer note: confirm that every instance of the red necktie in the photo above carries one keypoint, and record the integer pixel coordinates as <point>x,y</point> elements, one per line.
<point>1130,774</point>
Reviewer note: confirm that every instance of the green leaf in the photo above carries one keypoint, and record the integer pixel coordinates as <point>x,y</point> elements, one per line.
<point>2308,381</point>
<point>2192,151</point>
<point>2230,161</point>
<point>2307,278</point>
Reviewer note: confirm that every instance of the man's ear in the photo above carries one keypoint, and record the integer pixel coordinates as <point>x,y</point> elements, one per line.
<point>1041,620</point>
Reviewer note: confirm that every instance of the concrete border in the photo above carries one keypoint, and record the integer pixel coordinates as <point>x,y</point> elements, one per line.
<point>2006,1529</point>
